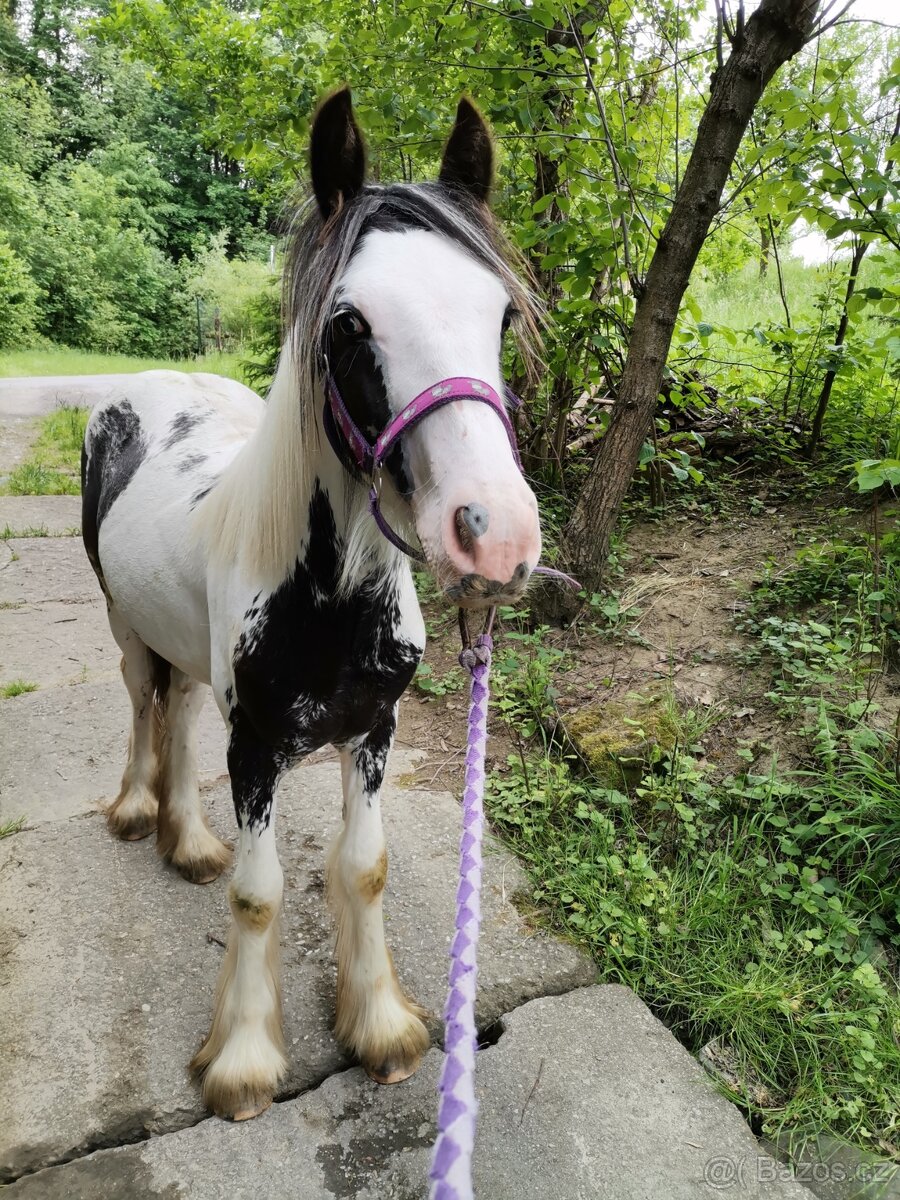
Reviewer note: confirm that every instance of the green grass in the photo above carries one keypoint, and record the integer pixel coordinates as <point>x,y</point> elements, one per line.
<point>54,463</point>
<point>8,828</point>
<point>16,687</point>
<point>30,531</point>
<point>62,361</point>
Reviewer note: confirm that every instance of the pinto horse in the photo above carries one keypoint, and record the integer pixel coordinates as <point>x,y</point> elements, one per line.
<point>235,545</point>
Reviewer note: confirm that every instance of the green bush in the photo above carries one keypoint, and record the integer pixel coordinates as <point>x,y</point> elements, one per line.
<point>18,299</point>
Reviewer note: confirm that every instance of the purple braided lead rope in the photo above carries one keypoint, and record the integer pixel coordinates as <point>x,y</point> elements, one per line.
<point>451,1167</point>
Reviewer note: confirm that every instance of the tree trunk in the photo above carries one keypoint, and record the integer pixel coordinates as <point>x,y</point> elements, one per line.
<point>775,32</point>
<point>839,339</point>
<point>765,248</point>
<point>859,253</point>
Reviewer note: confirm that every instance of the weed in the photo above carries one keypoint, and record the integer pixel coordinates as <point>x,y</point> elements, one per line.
<point>34,479</point>
<point>430,684</point>
<point>8,828</point>
<point>16,687</point>
<point>30,531</point>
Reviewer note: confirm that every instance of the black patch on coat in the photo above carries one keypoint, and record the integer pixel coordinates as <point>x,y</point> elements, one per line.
<point>312,668</point>
<point>371,755</point>
<point>362,387</point>
<point>202,493</point>
<point>186,421</point>
<point>117,449</point>
<point>190,462</point>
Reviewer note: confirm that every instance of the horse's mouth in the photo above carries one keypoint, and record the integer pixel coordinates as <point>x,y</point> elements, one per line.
<point>474,591</point>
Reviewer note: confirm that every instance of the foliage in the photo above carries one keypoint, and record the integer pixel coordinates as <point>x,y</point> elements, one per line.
<point>104,190</point>
<point>18,299</point>
<point>757,909</point>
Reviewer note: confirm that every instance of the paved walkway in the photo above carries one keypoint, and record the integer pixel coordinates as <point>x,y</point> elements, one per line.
<point>108,960</point>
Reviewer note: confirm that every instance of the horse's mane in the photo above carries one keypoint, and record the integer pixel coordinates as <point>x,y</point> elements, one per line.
<point>259,507</point>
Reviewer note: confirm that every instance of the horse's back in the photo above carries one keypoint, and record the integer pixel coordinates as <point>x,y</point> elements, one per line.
<point>152,451</point>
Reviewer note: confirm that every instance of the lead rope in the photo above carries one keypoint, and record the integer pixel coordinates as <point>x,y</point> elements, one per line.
<point>451,1166</point>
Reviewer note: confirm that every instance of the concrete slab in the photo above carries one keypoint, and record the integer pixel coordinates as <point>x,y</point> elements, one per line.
<point>57,516</point>
<point>585,1097</point>
<point>45,569</point>
<point>107,971</point>
<point>54,643</point>
<point>62,751</point>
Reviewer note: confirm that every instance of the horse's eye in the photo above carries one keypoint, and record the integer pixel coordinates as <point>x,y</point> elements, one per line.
<point>351,324</point>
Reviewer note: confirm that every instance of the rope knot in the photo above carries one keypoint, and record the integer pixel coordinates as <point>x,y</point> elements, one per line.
<point>478,655</point>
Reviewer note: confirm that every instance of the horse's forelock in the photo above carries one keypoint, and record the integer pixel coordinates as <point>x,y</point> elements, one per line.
<point>320,251</point>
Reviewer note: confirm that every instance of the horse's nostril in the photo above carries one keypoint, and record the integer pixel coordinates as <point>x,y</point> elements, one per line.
<point>475,518</point>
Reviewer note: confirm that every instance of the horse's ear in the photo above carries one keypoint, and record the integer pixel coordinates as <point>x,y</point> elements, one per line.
<point>468,163</point>
<point>337,153</point>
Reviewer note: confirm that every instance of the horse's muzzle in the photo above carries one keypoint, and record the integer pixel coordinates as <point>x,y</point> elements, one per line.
<point>474,591</point>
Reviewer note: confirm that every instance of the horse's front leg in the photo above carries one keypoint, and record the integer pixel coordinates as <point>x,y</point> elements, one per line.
<point>242,1059</point>
<point>375,1020</point>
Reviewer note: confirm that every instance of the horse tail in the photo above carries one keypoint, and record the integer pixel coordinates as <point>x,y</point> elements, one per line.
<point>161,678</point>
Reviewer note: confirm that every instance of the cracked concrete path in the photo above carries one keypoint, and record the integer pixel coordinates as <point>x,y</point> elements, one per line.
<point>584,1097</point>
<point>108,961</point>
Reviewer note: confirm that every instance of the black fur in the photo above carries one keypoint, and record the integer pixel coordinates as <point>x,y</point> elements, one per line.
<point>337,153</point>
<point>184,424</point>
<point>312,669</point>
<point>468,163</point>
<point>361,384</point>
<point>118,447</point>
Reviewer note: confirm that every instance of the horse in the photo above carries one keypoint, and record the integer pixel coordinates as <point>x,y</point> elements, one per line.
<point>234,541</point>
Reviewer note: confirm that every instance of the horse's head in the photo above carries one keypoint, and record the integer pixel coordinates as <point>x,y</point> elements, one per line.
<point>422,292</point>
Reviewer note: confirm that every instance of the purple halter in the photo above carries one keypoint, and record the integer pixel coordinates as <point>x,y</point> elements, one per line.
<point>348,441</point>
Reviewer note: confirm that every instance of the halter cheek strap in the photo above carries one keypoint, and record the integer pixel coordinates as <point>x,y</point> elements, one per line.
<point>355,450</point>
<point>358,454</point>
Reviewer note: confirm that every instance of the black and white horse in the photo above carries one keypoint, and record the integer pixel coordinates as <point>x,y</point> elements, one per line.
<point>235,548</point>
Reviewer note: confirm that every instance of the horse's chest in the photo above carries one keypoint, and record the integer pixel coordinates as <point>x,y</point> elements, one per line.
<point>310,669</point>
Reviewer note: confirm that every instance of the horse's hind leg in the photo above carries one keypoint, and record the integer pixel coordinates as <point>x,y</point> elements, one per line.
<point>184,839</point>
<point>374,1018</point>
<point>133,813</point>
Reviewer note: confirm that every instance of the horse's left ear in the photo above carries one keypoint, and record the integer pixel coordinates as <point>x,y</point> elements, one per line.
<point>468,162</point>
<point>337,153</point>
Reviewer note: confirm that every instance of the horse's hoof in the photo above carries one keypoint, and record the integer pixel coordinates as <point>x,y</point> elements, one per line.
<point>204,870</point>
<point>247,1114</point>
<point>402,1055</point>
<point>132,816</point>
<point>389,1073</point>
<point>198,858</point>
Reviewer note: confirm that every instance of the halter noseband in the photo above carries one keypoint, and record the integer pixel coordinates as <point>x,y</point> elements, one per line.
<point>354,449</point>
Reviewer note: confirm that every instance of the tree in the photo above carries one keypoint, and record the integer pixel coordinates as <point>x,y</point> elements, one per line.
<point>774,33</point>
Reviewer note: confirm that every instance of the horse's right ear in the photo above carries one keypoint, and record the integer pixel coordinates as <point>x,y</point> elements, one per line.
<point>337,153</point>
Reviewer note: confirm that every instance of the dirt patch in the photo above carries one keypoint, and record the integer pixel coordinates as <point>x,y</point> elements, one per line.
<point>686,584</point>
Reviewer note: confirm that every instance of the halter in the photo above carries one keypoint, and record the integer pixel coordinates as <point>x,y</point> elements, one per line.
<point>355,450</point>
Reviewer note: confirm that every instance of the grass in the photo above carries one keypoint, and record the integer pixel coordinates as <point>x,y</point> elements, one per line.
<point>8,828</point>
<point>60,360</point>
<point>16,687</point>
<point>30,531</point>
<point>54,464</point>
